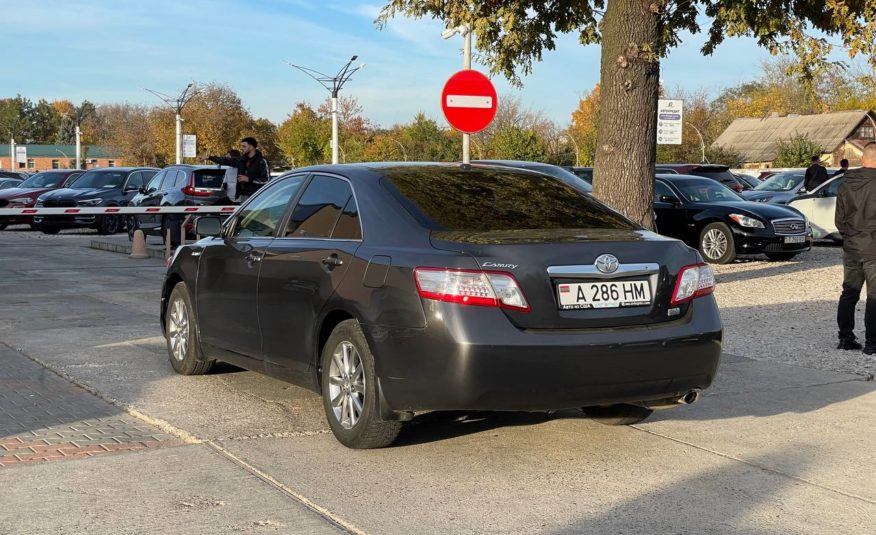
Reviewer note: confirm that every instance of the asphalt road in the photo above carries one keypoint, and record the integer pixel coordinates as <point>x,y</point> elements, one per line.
<point>773,447</point>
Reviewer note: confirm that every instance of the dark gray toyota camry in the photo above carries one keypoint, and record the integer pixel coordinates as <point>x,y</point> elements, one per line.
<point>396,288</point>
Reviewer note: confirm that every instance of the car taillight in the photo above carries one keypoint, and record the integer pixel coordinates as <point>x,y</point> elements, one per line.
<point>195,192</point>
<point>482,288</point>
<point>693,281</point>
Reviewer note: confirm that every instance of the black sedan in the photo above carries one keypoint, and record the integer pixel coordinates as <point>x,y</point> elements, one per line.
<point>111,186</point>
<point>396,288</point>
<point>721,224</point>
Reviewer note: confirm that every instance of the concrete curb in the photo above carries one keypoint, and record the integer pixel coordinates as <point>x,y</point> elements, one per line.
<point>151,251</point>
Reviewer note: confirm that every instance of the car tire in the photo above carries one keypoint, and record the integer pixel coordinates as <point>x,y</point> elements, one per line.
<point>716,244</point>
<point>621,414</point>
<point>350,393</point>
<point>109,224</point>
<point>50,230</point>
<point>781,257</point>
<point>181,334</point>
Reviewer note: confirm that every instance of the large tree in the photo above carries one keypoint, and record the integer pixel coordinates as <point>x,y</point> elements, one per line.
<point>635,35</point>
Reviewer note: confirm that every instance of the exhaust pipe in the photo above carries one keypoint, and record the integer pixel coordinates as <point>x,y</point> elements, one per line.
<point>691,396</point>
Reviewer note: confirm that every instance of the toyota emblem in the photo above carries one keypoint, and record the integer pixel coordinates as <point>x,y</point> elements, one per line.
<point>607,263</point>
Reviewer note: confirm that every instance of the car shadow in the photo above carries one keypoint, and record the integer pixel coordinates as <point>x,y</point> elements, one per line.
<point>439,426</point>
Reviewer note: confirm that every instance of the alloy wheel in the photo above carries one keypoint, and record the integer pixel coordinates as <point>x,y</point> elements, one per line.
<point>715,244</point>
<point>347,385</point>
<point>178,329</point>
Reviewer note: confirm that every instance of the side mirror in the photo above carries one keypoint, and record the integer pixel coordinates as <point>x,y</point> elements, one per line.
<point>670,199</point>
<point>208,226</point>
<point>142,189</point>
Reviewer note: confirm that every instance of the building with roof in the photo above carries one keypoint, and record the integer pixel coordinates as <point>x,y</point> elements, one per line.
<point>43,157</point>
<point>840,135</point>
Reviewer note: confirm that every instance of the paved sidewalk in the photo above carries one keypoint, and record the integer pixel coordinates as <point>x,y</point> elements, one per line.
<point>43,417</point>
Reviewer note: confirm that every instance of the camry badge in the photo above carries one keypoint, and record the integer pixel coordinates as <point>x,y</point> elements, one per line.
<point>607,263</point>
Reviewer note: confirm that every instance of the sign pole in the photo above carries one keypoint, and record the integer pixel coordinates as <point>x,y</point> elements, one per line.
<point>466,64</point>
<point>12,154</point>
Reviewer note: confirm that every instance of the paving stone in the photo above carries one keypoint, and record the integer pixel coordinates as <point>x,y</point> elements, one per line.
<point>45,418</point>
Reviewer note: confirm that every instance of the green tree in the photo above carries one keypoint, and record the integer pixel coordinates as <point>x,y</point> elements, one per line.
<point>796,151</point>
<point>305,136</point>
<point>425,141</point>
<point>635,35</point>
<point>515,143</point>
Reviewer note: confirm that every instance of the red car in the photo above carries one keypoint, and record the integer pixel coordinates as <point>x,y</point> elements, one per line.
<point>25,195</point>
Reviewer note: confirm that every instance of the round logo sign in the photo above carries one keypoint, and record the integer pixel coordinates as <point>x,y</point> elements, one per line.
<point>469,101</point>
<point>607,263</point>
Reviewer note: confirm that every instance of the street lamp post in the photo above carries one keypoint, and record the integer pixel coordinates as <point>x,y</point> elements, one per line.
<point>333,84</point>
<point>465,32</point>
<point>702,143</point>
<point>11,153</point>
<point>78,147</point>
<point>577,151</point>
<point>177,104</point>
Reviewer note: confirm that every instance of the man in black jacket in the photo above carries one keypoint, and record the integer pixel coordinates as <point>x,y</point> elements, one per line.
<point>816,174</point>
<point>856,221</point>
<point>252,168</point>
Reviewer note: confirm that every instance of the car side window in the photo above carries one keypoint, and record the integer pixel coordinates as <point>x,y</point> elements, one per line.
<point>348,226</point>
<point>263,214</point>
<point>135,180</point>
<point>155,183</point>
<point>319,208</point>
<point>169,179</point>
<point>181,179</point>
<point>831,189</point>
<point>661,189</point>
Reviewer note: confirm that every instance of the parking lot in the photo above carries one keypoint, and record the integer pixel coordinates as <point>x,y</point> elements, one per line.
<point>782,443</point>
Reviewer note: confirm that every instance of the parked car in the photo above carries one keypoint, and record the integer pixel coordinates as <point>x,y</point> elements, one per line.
<point>111,186</point>
<point>719,173</point>
<point>584,173</point>
<point>13,174</point>
<point>546,169</point>
<point>176,185</point>
<point>722,225</point>
<point>9,183</point>
<point>779,188</point>
<point>27,192</point>
<point>394,288</point>
<point>820,207</point>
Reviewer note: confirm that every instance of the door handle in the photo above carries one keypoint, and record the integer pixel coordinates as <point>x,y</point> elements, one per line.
<point>253,258</point>
<point>332,261</point>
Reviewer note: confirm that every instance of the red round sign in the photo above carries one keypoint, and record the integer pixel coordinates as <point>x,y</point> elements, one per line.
<point>469,101</point>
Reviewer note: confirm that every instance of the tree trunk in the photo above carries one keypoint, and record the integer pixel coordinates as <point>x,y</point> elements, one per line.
<point>626,139</point>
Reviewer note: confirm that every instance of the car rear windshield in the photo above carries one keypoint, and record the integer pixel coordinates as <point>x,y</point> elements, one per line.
<point>486,200</point>
<point>100,179</point>
<point>209,178</point>
<point>724,176</point>
<point>43,180</point>
<point>781,182</point>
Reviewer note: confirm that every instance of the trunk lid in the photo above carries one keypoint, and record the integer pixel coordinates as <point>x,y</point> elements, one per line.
<point>542,260</point>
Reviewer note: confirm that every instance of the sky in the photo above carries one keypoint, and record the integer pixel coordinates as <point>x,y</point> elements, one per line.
<point>111,50</point>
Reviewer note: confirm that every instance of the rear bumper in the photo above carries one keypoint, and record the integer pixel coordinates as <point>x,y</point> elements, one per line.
<point>471,358</point>
<point>753,244</point>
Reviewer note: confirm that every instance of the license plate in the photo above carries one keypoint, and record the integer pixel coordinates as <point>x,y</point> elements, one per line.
<point>574,296</point>
<point>795,239</point>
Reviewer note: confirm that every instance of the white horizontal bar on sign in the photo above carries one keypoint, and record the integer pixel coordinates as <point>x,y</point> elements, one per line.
<point>120,210</point>
<point>469,101</point>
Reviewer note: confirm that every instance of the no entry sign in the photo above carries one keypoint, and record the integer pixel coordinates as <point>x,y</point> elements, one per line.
<point>469,101</point>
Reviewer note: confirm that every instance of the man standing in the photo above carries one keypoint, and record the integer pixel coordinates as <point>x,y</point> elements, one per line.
<point>816,174</point>
<point>252,168</point>
<point>856,221</point>
<point>844,166</point>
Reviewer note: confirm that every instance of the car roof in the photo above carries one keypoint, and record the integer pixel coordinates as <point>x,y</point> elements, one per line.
<point>672,177</point>
<point>381,166</point>
<point>192,166</point>
<point>693,166</point>
<point>126,169</point>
